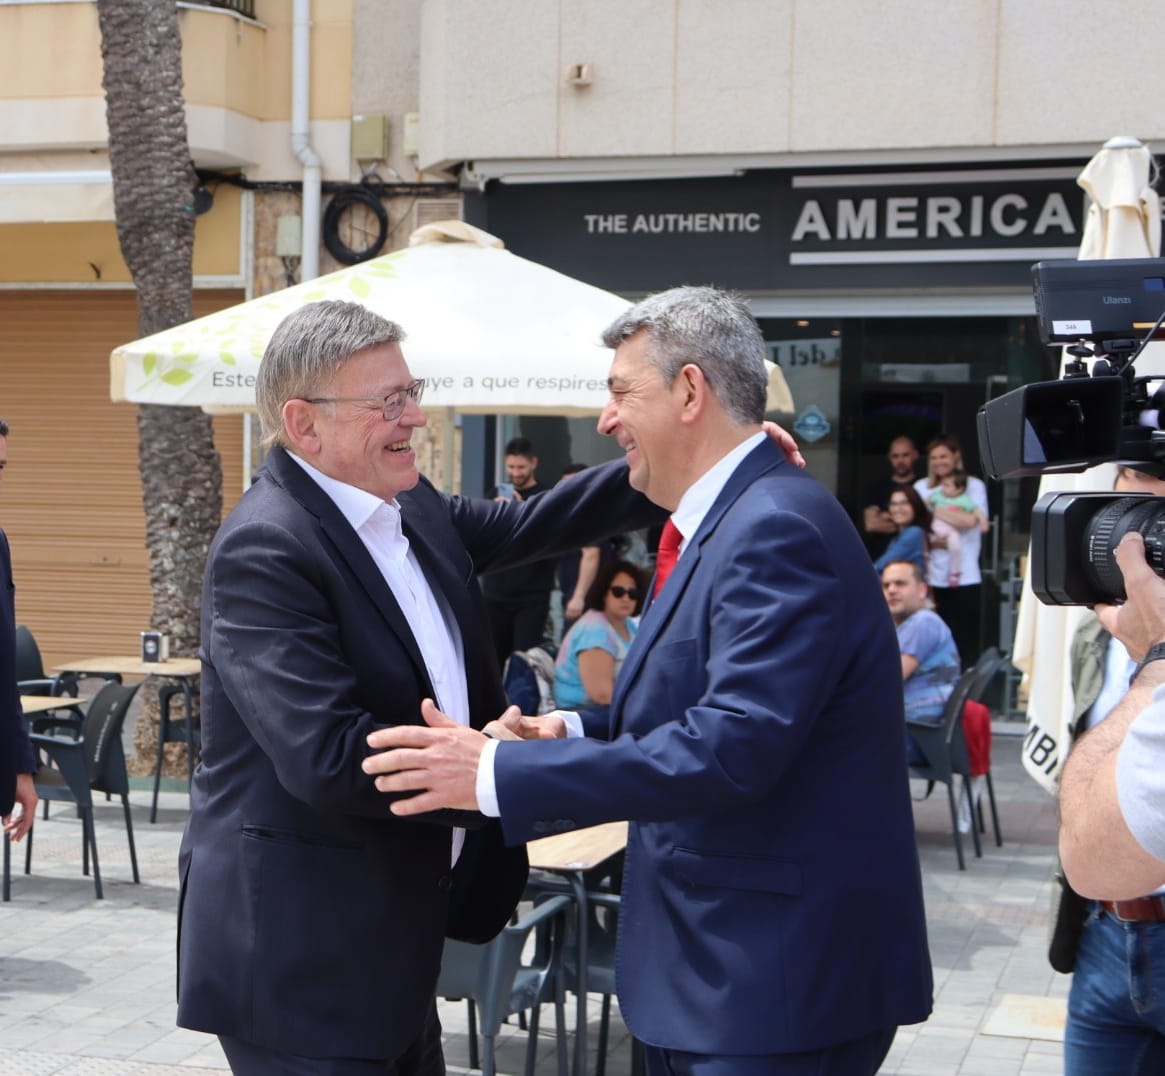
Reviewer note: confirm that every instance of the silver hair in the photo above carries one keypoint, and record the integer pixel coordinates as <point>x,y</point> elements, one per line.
<point>307,350</point>
<point>710,328</point>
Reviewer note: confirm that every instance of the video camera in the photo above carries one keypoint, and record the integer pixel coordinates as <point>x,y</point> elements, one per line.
<point>1106,311</point>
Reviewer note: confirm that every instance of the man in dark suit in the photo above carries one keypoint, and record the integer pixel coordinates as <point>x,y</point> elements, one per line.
<point>17,761</point>
<point>772,917</point>
<point>340,593</point>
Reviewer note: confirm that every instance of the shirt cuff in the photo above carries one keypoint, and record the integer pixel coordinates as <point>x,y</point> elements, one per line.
<point>574,727</point>
<point>486,789</point>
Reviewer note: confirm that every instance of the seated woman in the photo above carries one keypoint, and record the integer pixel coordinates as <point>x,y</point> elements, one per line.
<point>914,522</point>
<point>594,648</point>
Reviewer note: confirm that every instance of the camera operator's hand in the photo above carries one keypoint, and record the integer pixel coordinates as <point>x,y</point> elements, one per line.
<point>1140,621</point>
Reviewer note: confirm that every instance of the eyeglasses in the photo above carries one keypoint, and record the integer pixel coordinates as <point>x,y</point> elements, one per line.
<point>626,592</point>
<point>392,406</point>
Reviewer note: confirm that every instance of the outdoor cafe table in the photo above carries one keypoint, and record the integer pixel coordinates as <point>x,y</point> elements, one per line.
<point>573,855</point>
<point>40,704</point>
<point>184,670</point>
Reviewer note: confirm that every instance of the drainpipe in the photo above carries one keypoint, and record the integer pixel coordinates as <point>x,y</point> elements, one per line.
<point>309,262</point>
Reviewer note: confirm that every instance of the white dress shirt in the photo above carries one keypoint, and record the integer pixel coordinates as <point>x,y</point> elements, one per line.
<point>377,524</point>
<point>689,514</point>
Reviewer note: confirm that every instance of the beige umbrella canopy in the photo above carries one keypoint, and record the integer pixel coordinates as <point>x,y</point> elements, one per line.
<point>1123,221</point>
<point>491,332</point>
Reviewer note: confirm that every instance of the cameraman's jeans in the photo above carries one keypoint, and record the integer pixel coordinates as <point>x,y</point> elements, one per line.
<point>1116,1010</point>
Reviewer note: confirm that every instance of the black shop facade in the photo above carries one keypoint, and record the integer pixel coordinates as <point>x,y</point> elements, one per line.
<point>896,300</point>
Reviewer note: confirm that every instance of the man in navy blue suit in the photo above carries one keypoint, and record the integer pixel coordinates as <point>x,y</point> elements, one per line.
<point>17,762</point>
<point>772,918</point>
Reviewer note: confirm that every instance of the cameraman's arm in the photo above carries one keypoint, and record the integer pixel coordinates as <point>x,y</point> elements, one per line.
<point>1101,856</point>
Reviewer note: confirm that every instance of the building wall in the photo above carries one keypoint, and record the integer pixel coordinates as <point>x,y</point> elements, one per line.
<point>773,77</point>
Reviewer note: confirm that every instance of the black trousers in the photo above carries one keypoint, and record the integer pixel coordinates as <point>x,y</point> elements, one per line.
<point>517,624</point>
<point>423,1058</point>
<point>959,607</point>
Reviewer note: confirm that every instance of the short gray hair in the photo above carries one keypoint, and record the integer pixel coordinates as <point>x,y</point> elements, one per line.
<point>307,350</point>
<point>711,329</point>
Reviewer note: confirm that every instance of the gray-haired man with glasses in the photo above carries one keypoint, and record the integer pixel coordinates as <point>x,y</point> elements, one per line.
<point>339,594</point>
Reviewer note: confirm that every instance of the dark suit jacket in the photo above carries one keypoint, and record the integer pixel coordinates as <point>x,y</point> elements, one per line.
<point>772,900</point>
<point>311,919</point>
<point>15,750</point>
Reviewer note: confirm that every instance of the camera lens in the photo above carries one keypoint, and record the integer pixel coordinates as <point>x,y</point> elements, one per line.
<point>1146,515</point>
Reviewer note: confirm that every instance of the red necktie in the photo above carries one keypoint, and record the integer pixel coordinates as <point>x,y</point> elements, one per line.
<point>667,554</point>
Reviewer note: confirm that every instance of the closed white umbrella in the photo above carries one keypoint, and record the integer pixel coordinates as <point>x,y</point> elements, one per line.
<point>1123,221</point>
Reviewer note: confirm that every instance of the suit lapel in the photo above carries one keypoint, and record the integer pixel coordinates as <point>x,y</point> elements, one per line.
<point>348,546</point>
<point>760,460</point>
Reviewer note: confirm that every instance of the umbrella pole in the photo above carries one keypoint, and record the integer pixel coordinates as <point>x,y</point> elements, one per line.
<point>447,450</point>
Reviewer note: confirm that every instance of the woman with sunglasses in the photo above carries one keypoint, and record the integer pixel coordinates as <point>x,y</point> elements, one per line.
<point>594,648</point>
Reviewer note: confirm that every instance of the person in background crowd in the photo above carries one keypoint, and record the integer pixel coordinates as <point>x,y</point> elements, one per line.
<point>517,600</point>
<point>592,652</point>
<point>912,521</point>
<point>877,522</point>
<point>17,759</point>
<point>958,603</point>
<point>578,568</point>
<point>930,662</point>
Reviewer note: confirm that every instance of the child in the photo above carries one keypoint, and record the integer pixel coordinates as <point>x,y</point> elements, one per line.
<point>952,493</point>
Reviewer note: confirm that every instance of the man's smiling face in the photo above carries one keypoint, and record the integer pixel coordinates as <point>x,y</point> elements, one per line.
<point>642,415</point>
<point>357,446</point>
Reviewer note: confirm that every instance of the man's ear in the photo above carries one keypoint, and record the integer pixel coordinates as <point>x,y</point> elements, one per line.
<point>299,420</point>
<point>692,390</point>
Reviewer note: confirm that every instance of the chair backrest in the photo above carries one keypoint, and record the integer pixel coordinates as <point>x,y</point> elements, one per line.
<point>986,669</point>
<point>29,665</point>
<point>943,745</point>
<point>101,729</point>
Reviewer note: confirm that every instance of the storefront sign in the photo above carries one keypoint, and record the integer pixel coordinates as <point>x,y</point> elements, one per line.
<point>776,230</point>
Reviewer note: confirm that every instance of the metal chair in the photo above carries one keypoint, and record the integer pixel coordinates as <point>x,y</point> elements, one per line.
<point>945,750</point>
<point>496,982</point>
<point>991,662</point>
<point>72,770</point>
<point>185,730</point>
<point>31,677</point>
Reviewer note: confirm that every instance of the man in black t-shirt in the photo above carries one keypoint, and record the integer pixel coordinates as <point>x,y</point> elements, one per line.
<point>518,599</point>
<point>876,521</point>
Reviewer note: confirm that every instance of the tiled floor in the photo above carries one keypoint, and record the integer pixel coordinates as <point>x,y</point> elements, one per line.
<point>87,987</point>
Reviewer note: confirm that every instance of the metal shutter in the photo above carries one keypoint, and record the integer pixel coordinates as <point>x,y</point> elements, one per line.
<point>71,499</point>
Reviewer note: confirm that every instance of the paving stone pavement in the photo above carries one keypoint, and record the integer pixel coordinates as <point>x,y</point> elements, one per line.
<point>87,986</point>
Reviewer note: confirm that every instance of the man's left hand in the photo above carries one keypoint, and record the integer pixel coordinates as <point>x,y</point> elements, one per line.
<point>1140,621</point>
<point>20,821</point>
<point>439,760</point>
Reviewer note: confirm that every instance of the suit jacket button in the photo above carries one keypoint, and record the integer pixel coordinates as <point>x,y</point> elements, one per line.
<point>445,883</point>
<point>539,827</point>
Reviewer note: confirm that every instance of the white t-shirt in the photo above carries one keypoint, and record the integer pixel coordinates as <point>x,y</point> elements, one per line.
<point>1140,776</point>
<point>939,568</point>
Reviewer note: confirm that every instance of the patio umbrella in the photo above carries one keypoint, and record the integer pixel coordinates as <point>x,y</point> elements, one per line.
<point>491,333</point>
<point>1123,221</point>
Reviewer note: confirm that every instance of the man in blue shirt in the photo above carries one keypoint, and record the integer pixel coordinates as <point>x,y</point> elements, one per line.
<point>930,661</point>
